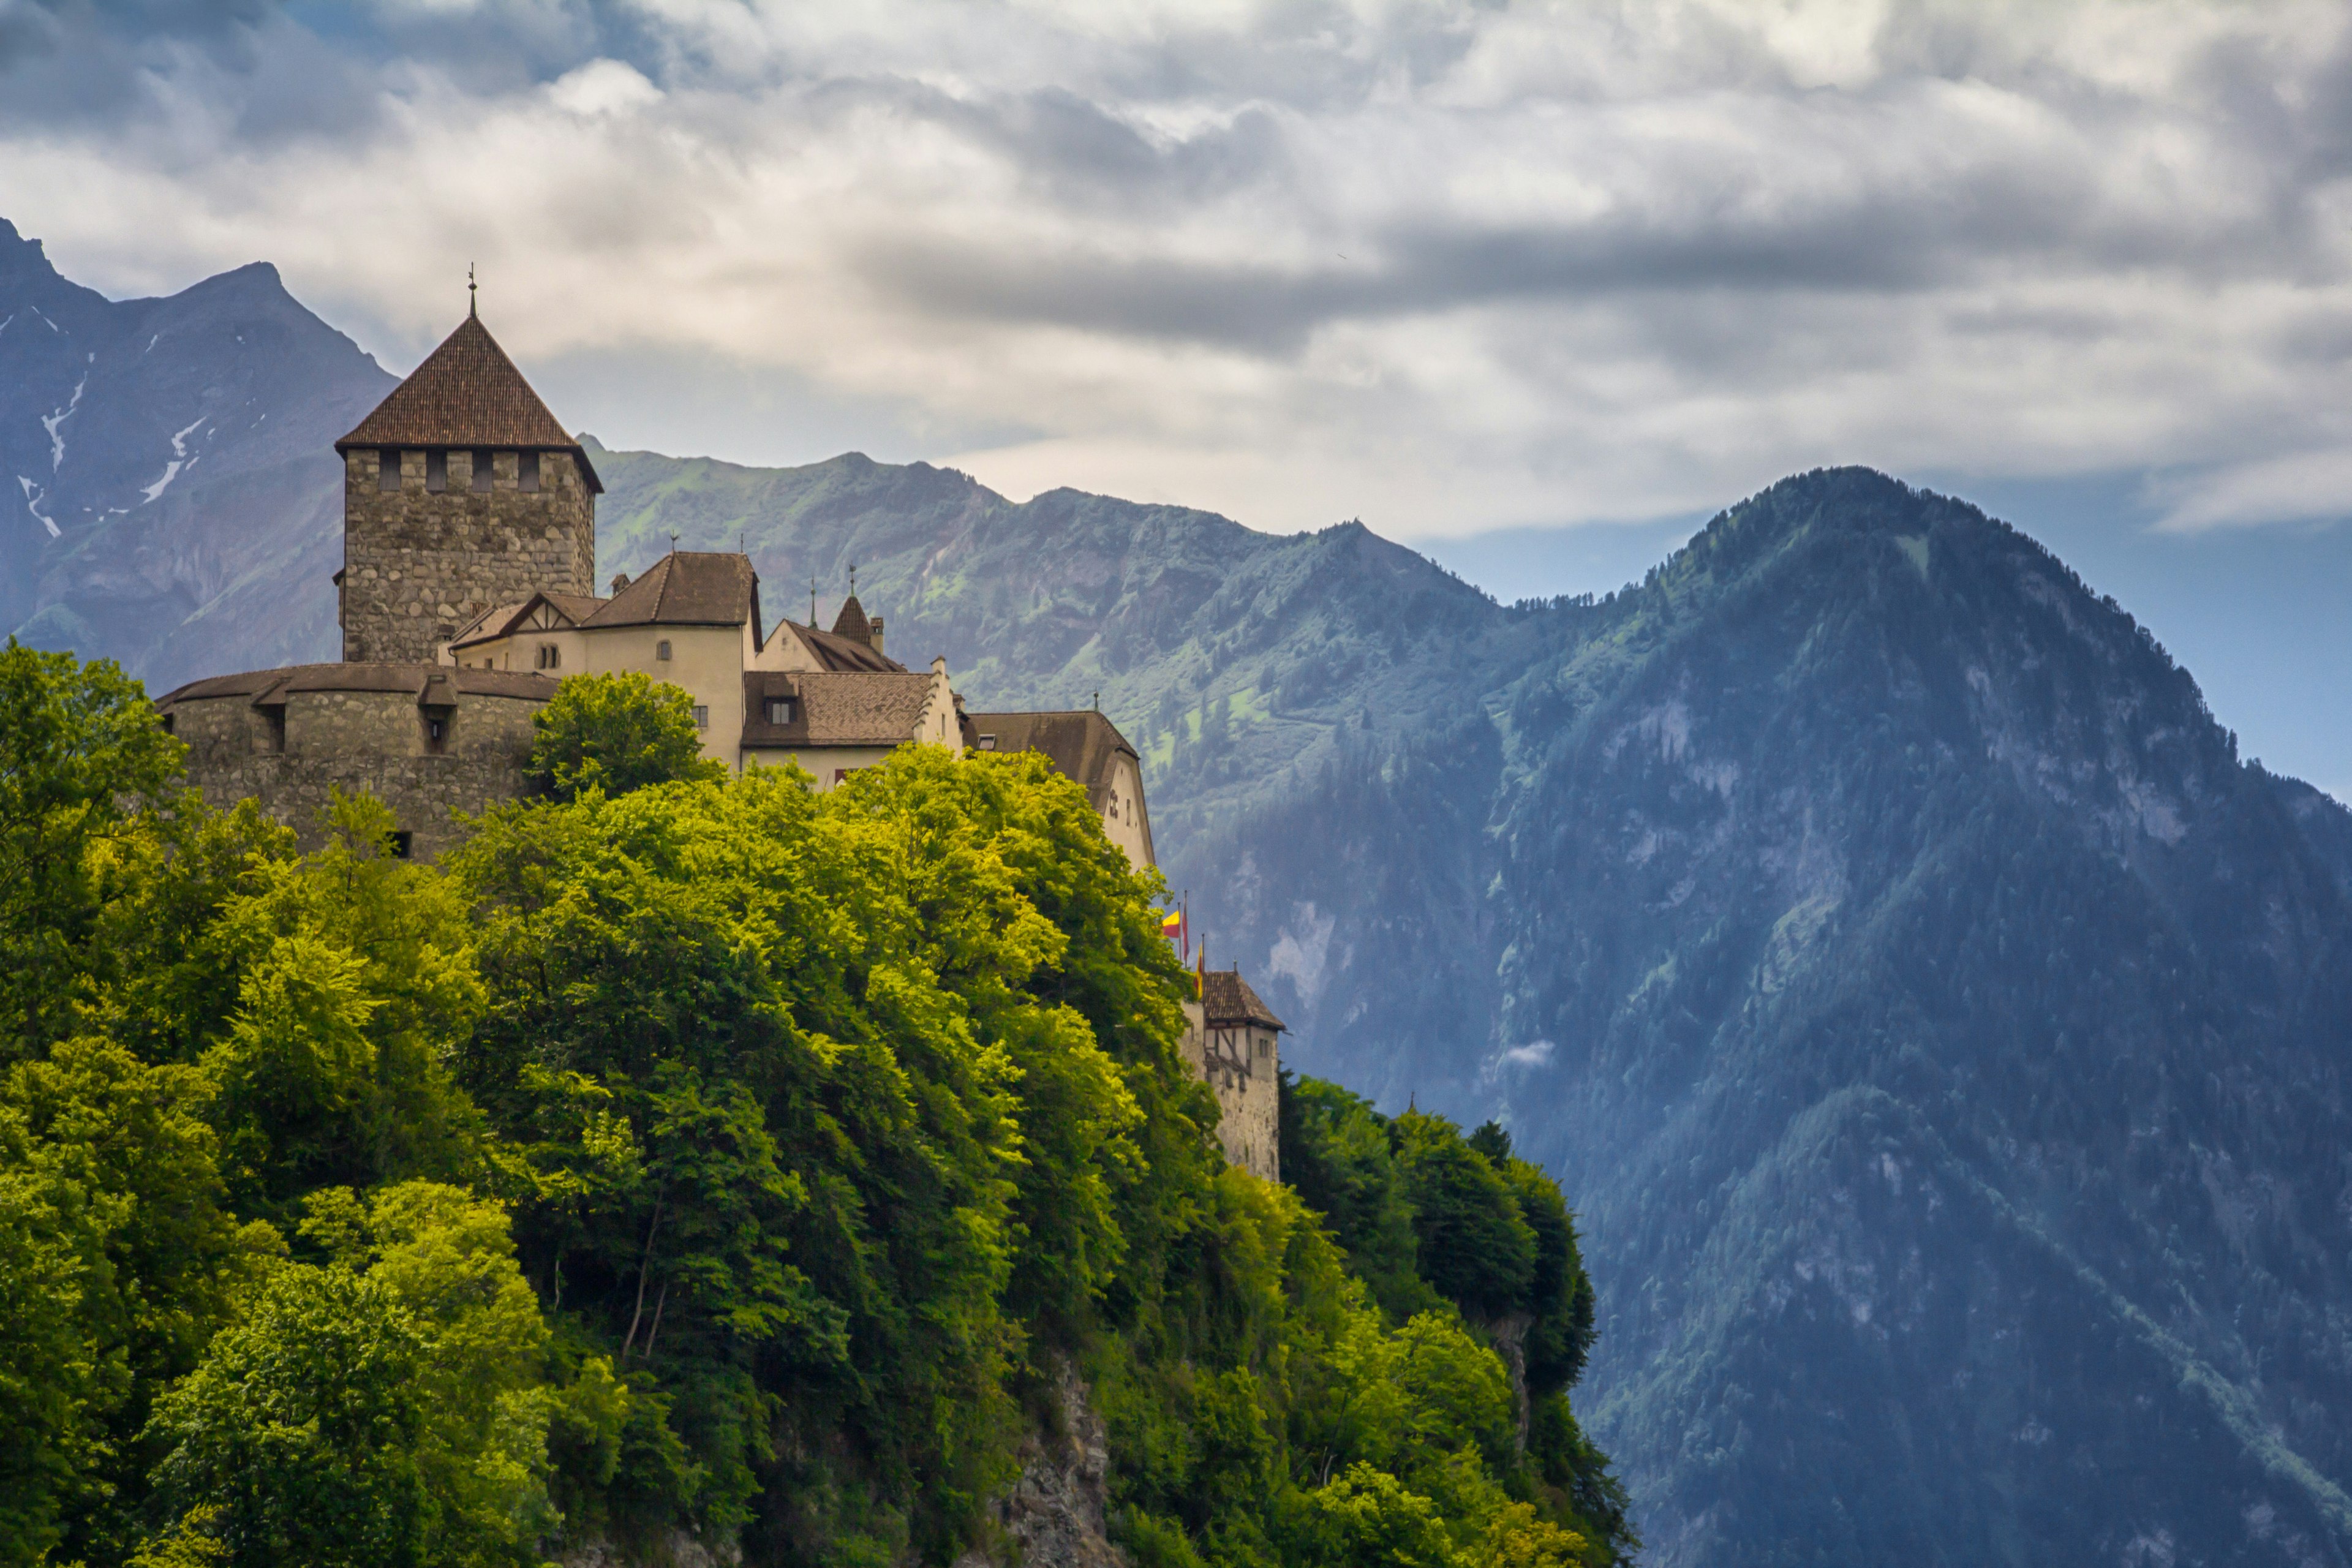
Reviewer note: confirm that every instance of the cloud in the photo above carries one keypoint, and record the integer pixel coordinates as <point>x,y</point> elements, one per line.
<point>1449,267</point>
<point>2300,487</point>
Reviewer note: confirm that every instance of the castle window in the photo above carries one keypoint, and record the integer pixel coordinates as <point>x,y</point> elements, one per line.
<point>482,472</point>
<point>780,709</point>
<point>661,650</point>
<point>437,733</point>
<point>167,722</point>
<point>550,657</point>
<point>273,730</point>
<point>527,470</point>
<point>404,844</point>
<point>437,470</point>
<point>387,469</point>
<point>701,717</point>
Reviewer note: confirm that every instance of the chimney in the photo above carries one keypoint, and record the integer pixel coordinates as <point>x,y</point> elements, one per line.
<point>875,625</point>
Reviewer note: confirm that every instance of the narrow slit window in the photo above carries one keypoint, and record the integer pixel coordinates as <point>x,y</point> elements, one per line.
<point>527,470</point>
<point>387,470</point>
<point>437,470</point>
<point>550,657</point>
<point>484,471</point>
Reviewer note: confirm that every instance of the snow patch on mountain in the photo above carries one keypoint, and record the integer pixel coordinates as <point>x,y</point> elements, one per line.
<point>49,421</point>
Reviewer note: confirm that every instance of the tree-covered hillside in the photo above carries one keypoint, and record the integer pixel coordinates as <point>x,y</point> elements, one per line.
<point>1944,1032</point>
<point>715,1168</point>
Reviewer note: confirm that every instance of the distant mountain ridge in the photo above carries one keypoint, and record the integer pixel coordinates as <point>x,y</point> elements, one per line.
<point>1942,1032</point>
<point>170,492</point>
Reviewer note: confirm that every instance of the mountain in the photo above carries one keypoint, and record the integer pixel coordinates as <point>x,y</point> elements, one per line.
<point>1941,1031</point>
<point>1944,1033</point>
<point>170,493</point>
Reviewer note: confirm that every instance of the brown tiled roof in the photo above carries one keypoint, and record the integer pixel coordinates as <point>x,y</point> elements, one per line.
<point>834,652</point>
<point>467,393</point>
<point>505,620</point>
<point>490,624</point>
<point>834,707</point>
<point>269,686</point>
<point>852,623</point>
<point>686,588</point>
<point>1226,999</point>
<point>1081,744</point>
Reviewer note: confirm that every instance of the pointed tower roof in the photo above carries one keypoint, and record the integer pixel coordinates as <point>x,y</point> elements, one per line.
<point>468,393</point>
<point>852,622</point>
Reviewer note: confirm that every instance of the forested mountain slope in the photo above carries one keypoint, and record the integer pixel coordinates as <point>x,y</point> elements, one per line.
<point>1945,1035</point>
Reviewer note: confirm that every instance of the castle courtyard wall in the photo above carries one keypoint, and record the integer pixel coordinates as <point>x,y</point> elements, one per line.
<point>359,741</point>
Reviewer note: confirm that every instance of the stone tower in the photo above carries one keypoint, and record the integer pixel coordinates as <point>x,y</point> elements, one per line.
<point>460,492</point>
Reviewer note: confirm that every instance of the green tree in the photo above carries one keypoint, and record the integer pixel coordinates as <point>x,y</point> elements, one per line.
<point>302,1427</point>
<point>82,757</point>
<point>1475,1245</point>
<point>117,1258</point>
<point>615,732</point>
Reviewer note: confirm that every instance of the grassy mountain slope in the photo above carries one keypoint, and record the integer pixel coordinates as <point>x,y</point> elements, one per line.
<point>1246,653</point>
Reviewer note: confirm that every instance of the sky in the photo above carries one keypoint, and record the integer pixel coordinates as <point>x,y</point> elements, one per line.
<point>1534,287</point>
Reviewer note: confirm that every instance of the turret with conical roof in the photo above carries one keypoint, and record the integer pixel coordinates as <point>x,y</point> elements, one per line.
<point>460,491</point>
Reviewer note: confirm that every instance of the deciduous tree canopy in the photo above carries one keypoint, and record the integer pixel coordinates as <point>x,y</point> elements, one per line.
<point>701,1155</point>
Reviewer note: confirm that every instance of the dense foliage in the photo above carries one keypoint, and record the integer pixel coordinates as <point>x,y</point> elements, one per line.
<point>714,1157</point>
<point>615,732</point>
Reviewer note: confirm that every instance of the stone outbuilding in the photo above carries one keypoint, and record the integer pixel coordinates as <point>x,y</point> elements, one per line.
<point>1231,1040</point>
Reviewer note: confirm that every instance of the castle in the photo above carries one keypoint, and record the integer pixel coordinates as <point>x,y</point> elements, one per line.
<point>468,592</point>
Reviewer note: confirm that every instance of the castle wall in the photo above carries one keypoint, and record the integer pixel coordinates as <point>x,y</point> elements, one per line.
<point>371,742</point>
<point>1123,820</point>
<point>1239,1063</point>
<point>417,564</point>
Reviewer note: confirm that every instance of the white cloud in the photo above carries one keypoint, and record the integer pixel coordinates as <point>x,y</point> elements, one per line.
<point>1444,267</point>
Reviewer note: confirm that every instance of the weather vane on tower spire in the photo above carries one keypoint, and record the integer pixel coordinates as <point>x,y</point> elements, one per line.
<point>471,286</point>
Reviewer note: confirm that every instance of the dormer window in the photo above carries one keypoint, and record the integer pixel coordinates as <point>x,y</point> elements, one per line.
<point>661,650</point>
<point>483,473</point>
<point>527,470</point>
<point>387,469</point>
<point>780,711</point>
<point>988,743</point>
<point>437,470</point>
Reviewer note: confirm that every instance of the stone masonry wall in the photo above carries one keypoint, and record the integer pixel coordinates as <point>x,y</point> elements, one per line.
<point>418,563</point>
<point>362,742</point>
<point>1240,1064</point>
